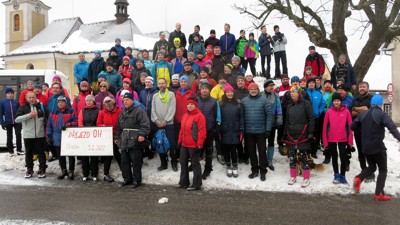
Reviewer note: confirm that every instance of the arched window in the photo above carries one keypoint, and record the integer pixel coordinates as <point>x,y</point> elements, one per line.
<point>30,66</point>
<point>16,22</point>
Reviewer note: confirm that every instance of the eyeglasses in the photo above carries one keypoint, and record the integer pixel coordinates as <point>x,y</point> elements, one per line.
<point>103,86</point>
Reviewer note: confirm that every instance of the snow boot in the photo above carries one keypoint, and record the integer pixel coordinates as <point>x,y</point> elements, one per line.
<point>253,175</point>
<point>29,173</point>
<point>206,173</point>
<point>293,174</point>
<point>42,173</point>
<point>262,177</point>
<point>108,178</point>
<point>71,175</point>
<point>221,159</point>
<point>235,173</point>
<point>382,197</point>
<point>336,178</point>
<point>229,171</point>
<point>357,184</point>
<point>306,178</point>
<point>63,174</point>
<point>174,166</point>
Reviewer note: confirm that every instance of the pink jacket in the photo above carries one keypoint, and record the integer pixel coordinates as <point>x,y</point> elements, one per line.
<point>337,126</point>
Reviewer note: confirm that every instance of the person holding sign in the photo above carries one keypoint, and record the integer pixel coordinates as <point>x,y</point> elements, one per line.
<point>60,120</point>
<point>87,118</point>
<point>109,117</point>
<point>133,125</point>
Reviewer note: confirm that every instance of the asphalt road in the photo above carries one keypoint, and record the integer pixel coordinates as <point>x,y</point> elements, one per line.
<point>103,203</point>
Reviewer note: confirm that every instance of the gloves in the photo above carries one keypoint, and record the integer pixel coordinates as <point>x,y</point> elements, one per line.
<point>267,134</point>
<point>3,127</point>
<point>63,127</point>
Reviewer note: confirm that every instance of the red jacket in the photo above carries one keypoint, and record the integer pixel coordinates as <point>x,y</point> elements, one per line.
<point>126,71</point>
<point>42,99</point>
<point>317,64</point>
<point>189,131</point>
<point>281,90</point>
<point>109,118</point>
<point>337,126</point>
<point>181,104</point>
<point>80,102</point>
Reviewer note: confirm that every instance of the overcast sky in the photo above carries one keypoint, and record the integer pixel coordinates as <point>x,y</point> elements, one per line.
<point>156,15</point>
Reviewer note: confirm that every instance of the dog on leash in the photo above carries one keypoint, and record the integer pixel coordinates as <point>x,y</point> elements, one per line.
<point>299,164</point>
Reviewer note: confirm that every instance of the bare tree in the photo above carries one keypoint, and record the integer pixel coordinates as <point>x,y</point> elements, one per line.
<point>313,18</point>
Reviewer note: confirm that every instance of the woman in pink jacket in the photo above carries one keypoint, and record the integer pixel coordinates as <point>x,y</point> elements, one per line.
<point>337,133</point>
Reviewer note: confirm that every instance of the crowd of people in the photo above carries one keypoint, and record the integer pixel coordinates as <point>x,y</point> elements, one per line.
<point>202,98</point>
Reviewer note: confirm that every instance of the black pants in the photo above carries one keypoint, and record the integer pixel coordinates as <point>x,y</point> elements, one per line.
<point>268,74</point>
<point>108,159</point>
<point>150,151</point>
<point>257,142</point>
<point>36,145</point>
<point>252,63</point>
<point>379,159</point>
<point>218,142</point>
<point>194,156</point>
<point>132,157</point>
<point>243,152</point>
<point>174,152</point>
<point>280,56</point>
<point>244,63</point>
<point>208,149</point>
<point>17,130</point>
<point>230,155</point>
<point>317,135</point>
<point>280,135</point>
<point>361,156</point>
<point>90,165</point>
<point>228,57</point>
<point>62,160</point>
<point>343,157</point>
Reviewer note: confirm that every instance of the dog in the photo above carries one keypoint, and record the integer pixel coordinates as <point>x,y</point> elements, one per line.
<point>299,164</point>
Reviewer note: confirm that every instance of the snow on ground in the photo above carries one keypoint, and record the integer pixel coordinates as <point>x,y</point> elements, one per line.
<point>12,172</point>
<point>30,222</point>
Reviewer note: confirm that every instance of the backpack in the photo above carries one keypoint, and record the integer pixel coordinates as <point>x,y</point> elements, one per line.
<point>160,142</point>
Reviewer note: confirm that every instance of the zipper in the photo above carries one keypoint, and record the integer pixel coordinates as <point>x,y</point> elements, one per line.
<point>12,112</point>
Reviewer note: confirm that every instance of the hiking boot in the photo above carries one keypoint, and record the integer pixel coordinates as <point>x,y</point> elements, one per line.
<point>305,183</point>
<point>161,168</point>
<point>271,166</point>
<point>94,179</point>
<point>84,179</point>
<point>336,178</point>
<point>343,180</point>
<point>246,161</point>
<point>108,178</point>
<point>229,171</point>
<point>193,188</point>
<point>221,159</point>
<point>357,184</point>
<point>382,197</point>
<point>253,175</point>
<point>206,173</point>
<point>41,173</point>
<point>125,183</point>
<point>291,181</point>
<point>63,174</point>
<point>29,173</point>
<point>135,185</point>
<point>181,186</point>
<point>71,175</point>
<point>262,177</point>
<point>235,173</point>
<point>174,166</point>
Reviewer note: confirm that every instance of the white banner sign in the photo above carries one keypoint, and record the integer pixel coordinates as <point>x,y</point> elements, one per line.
<point>87,141</point>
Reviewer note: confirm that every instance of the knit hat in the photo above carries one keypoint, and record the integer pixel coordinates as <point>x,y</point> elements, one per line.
<point>303,80</point>
<point>187,63</point>
<point>268,82</point>
<point>251,34</point>
<point>205,85</point>
<point>377,99</point>
<point>208,62</point>
<point>177,39</point>
<point>114,49</point>
<point>83,84</point>
<point>90,98</point>
<point>312,79</point>
<point>342,86</point>
<point>127,80</point>
<point>249,75</point>
<point>212,31</point>
<point>57,78</point>
<point>205,69</point>
<point>38,85</point>
<point>192,100</point>
<point>126,58</point>
<point>328,81</point>
<point>295,79</point>
<point>29,82</point>
<point>308,68</point>
<point>210,46</point>
<point>175,77</point>
<point>254,85</point>
<point>340,79</point>
<point>295,88</point>
<point>284,76</point>
<point>97,52</point>
<point>191,53</point>
<point>228,88</point>
<point>239,78</point>
<point>237,58</point>
<point>229,65</point>
<point>160,52</point>
<point>150,79</point>
<point>336,96</point>
<point>118,39</point>
<point>161,34</point>
<point>110,64</point>
<point>9,90</point>
<point>139,60</point>
<point>128,95</point>
<point>185,78</point>
<point>102,74</point>
<point>108,100</point>
<point>312,47</point>
<point>123,92</point>
<point>104,84</point>
<point>62,98</point>
<point>143,74</point>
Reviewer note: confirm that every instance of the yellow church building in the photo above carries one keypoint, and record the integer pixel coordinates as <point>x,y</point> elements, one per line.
<point>33,43</point>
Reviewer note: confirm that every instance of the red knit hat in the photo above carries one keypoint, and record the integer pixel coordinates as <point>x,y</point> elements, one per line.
<point>228,88</point>
<point>193,101</point>
<point>126,58</point>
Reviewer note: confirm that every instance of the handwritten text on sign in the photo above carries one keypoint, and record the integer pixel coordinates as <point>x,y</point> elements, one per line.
<point>87,141</point>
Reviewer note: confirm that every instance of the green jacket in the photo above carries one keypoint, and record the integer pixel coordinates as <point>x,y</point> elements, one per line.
<point>240,44</point>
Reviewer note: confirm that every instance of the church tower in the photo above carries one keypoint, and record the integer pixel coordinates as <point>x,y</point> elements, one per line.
<point>121,10</point>
<point>24,19</point>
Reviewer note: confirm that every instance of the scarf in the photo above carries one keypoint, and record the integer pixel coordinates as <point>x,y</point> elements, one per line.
<point>183,91</point>
<point>164,98</point>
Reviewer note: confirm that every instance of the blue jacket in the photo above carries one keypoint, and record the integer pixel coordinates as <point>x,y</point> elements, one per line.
<point>197,47</point>
<point>211,111</point>
<point>52,106</point>
<point>276,106</point>
<point>120,51</point>
<point>348,101</point>
<point>81,71</point>
<point>227,42</point>
<point>56,120</point>
<point>146,97</point>
<point>257,114</point>
<point>114,79</point>
<point>317,101</point>
<point>232,122</point>
<point>8,109</point>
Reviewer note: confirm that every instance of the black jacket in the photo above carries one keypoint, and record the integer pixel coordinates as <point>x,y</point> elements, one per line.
<point>372,125</point>
<point>157,47</point>
<point>115,60</point>
<point>265,42</point>
<point>360,101</point>
<point>136,77</point>
<point>201,39</point>
<point>241,93</point>
<point>95,67</point>
<point>211,41</point>
<point>219,62</point>
<point>175,34</point>
<point>232,122</point>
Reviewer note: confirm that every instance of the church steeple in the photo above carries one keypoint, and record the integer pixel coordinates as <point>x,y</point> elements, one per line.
<point>121,10</point>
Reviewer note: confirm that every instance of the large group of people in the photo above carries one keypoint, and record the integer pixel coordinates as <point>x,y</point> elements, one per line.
<point>202,98</point>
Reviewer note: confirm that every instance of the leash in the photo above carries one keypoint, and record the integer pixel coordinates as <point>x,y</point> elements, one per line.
<point>297,141</point>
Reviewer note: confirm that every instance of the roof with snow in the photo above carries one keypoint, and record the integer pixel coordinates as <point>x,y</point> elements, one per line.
<point>71,36</point>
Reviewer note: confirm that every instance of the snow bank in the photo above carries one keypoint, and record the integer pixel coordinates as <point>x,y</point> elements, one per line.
<point>12,172</point>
